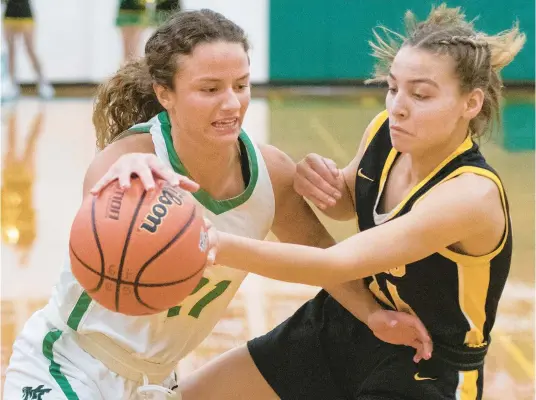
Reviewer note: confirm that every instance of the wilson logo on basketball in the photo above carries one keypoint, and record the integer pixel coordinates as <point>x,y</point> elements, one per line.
<point>114,206</point>
<point>153,219</point>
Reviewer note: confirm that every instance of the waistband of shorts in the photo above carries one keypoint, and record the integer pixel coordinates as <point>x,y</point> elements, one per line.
<point>115,357</point>
<point>462,358</point>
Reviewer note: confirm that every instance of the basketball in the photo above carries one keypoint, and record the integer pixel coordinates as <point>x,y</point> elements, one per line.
<point>138,252</point>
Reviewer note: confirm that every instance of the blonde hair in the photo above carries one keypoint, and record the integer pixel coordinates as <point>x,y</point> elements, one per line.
<point>478,57</point>
<point>128,97</point>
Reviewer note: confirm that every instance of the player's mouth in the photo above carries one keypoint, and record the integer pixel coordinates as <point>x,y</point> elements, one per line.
<point>226,125</point>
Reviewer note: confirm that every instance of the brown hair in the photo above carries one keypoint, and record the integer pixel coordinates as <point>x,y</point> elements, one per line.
<point>478,57</point>
<point>128,97</point>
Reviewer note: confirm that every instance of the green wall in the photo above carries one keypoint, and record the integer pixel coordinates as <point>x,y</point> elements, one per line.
<point>314,40</point>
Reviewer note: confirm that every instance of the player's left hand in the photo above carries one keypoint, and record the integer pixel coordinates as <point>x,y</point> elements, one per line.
<point>401,328</point>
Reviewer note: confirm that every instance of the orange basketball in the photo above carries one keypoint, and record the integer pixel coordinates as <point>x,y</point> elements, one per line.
<point>138,252</point>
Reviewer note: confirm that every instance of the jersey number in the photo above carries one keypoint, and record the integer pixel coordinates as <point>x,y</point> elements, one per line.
<point>204,301</point>
<point>400,304</point>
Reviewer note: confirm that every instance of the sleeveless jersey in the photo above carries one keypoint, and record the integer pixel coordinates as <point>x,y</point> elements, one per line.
<point>455,295</point>
<point>169,336</point>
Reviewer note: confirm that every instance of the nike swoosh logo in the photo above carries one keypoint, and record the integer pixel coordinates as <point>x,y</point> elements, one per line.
<point>423,378</point>
<point>362,175</point>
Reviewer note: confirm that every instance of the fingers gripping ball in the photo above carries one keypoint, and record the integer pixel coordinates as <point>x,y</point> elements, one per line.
<point>138,252</point>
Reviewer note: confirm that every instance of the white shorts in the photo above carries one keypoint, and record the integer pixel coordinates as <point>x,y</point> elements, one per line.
<point>47,364</point>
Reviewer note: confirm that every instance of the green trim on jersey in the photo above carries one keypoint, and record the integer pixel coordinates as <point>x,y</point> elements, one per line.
<point>144,127</point>
<point>55,370</point>
<point>79,310</point>
<point>215,206</point>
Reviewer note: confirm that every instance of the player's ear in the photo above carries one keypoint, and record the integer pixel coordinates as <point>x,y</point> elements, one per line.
<point>165,96</point>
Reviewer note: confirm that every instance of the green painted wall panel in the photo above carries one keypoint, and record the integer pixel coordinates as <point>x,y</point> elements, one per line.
<point>319,40</point>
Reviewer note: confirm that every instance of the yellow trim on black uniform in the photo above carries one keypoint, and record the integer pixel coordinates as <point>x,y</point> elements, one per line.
<point>455,295</point>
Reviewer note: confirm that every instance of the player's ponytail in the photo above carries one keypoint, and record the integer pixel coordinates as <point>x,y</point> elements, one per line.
<point>477,57</point>
<point>124,100</point>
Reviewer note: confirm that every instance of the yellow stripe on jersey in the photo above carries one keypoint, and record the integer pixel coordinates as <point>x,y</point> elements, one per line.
<point>468,260</point>
<point>375,289</point>
<point>473,285</point>
<point>386,168</point>
<point>474,271</point>
<point>377,122</point>
<point>400,304</point>
<point>375,126</point>
<point>467,387</point>
<point>466,145</point>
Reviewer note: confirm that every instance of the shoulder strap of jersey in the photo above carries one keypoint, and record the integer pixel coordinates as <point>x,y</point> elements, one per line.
<point>127,133</point>
<point>375,126</point>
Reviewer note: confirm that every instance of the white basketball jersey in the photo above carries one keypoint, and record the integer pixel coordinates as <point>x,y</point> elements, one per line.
<point>169,336</point>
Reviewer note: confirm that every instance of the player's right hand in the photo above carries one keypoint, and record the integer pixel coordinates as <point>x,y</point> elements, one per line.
<point>401,328</point>
<point>145,166</point>
<point>319,180</point>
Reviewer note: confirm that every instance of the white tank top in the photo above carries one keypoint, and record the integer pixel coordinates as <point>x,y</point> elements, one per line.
<point>169,336</point>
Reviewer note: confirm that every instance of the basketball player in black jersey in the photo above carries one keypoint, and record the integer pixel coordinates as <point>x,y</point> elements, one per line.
<point>435,237</point>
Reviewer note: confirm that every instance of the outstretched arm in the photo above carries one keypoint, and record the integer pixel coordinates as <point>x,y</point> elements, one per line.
<point>459,209</point>
<point>295,222</point>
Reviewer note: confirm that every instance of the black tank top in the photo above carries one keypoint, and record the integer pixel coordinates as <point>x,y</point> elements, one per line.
<point>455,295</point>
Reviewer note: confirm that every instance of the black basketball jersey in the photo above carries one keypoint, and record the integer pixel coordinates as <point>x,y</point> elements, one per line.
<point>455,295</point>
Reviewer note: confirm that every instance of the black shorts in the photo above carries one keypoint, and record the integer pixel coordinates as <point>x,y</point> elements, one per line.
<point>323,353</point>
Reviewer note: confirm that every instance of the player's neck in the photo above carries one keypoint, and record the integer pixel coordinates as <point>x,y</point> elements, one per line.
<point>421,165</point>
<point>211,168</point>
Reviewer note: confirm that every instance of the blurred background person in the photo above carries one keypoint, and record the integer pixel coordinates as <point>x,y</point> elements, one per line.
<point>19,22</point>
<point>131,21</point>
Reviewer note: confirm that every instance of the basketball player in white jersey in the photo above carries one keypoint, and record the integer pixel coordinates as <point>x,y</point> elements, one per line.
<point>176,113</point>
